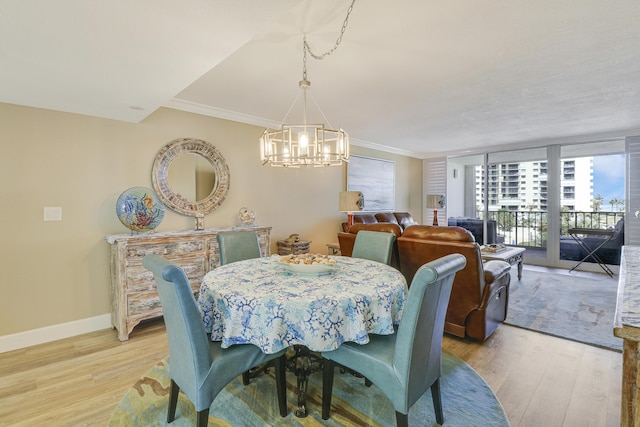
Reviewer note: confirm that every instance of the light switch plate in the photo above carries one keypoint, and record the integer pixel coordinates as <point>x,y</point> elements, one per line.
<point>53,214</point>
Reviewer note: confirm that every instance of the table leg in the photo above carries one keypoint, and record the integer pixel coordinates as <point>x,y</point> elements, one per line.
<point>520,269</point>
<point>302,367</point>
<point>591,253</point>
<point>630,396</point>
<point>303,363</point>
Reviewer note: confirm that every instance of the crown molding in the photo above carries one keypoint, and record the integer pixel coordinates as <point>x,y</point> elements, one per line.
<point>385,148</point>
<point>220,113</point>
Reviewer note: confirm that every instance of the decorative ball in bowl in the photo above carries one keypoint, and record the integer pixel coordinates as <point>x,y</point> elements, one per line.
<point>309,264</point>
<point>139,209</point>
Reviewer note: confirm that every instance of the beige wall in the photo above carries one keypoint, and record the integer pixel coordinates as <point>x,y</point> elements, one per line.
<point>57,272</point>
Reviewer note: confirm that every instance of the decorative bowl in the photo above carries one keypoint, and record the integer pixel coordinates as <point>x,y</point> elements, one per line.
<point>139,209</point>
<point>309,264</point>
<point>314,269</point>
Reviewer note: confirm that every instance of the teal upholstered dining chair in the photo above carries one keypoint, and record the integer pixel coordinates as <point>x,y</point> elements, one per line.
<point>197,366</point>
<point>404,365</point>
<point>237,246</point>
<point>374,246</point>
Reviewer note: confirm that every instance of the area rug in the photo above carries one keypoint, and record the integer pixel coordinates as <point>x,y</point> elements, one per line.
<point>568,306</point>
<point>467,401</point>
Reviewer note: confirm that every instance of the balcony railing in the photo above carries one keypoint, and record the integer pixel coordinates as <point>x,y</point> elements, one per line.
<point>530,228</point>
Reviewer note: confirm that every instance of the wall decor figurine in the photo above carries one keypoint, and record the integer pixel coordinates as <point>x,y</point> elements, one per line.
<point>247,217</point>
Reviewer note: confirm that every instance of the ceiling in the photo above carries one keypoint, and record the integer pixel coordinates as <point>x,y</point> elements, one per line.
<point>419,77</point>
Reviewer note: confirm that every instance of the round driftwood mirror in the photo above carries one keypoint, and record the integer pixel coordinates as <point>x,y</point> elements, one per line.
<point>181,189</point>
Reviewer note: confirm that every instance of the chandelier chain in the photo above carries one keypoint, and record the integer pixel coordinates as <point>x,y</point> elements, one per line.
<point>307,47</point>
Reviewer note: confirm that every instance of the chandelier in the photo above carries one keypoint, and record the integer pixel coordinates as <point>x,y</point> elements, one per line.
<point>306,144</point>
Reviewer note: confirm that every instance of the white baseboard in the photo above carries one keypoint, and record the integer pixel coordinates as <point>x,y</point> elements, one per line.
<point>54,332</point>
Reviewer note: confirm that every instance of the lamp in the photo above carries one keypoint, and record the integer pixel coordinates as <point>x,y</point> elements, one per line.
<point>306,144</point>
<point>435,202</point>
<point>350,201</point>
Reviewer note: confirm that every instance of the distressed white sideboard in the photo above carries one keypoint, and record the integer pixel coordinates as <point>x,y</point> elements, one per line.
<point>134,297</point>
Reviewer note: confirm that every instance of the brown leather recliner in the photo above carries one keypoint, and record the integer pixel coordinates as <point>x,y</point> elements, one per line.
<point>480,294</point>
<point>348,239</point>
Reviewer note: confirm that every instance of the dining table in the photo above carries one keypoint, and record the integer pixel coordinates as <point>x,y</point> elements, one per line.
<point>275,305</point>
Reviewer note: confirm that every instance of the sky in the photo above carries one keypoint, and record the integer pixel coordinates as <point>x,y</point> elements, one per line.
<point>608,177</point>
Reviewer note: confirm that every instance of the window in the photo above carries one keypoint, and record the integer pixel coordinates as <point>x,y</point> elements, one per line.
<point>569,192</point>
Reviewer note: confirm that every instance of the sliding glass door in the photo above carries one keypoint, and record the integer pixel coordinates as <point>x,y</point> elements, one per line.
<point>531,198</point>
<point>592,200</point>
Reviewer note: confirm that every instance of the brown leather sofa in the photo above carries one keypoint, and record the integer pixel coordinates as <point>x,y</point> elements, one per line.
<point>392,222</point>
<point>403,219</point>
<point>480,294</point>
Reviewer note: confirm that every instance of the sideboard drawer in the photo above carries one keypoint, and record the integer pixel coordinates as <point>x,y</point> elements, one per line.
<point>144,303</point>
<point>167,249</point>
<point>139,279</point>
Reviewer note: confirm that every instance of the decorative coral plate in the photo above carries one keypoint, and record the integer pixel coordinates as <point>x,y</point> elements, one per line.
<point>139,209</point>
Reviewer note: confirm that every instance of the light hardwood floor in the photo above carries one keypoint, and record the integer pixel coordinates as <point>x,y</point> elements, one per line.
<point>540,380</point>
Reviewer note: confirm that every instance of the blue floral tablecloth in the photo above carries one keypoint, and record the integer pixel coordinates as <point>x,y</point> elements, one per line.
<point>257,301</point>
